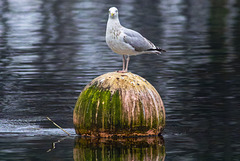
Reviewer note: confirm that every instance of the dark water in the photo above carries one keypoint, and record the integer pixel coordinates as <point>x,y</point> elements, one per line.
<point>50,49</point>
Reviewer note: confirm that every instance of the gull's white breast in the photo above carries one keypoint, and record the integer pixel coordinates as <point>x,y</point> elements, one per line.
<point>114,39</point>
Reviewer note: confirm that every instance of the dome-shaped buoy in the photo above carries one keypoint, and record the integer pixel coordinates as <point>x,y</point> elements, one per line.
<point>119,104</point>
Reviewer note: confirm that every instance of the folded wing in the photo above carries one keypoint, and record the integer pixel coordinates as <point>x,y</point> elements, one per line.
<point>137,41</point>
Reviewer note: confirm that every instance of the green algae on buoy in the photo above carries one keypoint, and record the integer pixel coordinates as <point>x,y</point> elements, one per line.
<point>119,104</point>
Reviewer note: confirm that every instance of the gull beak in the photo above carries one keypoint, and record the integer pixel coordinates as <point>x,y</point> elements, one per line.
<point>112,14</point>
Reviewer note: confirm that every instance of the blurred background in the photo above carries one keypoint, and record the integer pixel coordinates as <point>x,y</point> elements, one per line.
<point>51,49</point>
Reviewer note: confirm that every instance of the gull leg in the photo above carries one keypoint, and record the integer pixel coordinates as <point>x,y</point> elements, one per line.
<point>124,62</point>
<point>128,58</point>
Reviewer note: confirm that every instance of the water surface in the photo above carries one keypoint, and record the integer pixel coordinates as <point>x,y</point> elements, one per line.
<point>49,50</point>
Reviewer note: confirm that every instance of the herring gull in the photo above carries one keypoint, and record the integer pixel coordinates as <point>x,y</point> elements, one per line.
<point>125,41</point>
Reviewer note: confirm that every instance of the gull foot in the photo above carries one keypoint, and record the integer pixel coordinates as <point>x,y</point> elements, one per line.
<point>122,71</point>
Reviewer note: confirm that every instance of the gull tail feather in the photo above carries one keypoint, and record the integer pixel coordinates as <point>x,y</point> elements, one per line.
<point>158,50</point>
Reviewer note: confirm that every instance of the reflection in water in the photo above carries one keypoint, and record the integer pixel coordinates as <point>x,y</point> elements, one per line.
<point>143,148</point>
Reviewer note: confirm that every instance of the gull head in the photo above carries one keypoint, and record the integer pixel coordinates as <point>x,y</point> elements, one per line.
<point>113,12</point>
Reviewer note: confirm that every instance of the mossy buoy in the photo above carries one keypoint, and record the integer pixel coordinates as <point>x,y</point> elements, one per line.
<point>119,104</point>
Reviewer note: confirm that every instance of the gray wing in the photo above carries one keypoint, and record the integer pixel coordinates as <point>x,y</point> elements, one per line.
<point>137,41</point>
